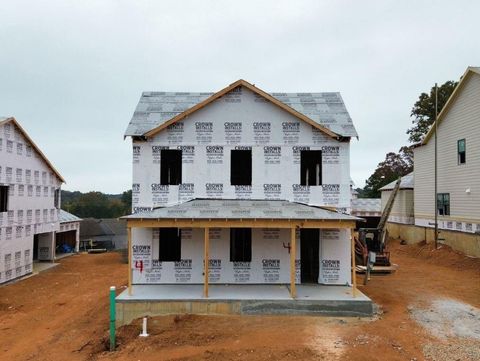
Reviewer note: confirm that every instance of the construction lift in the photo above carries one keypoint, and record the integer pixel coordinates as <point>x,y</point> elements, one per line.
<point>371,249</point>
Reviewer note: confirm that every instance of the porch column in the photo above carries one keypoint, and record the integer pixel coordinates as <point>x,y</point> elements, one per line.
<point>53,243</point>
<point>354,271</point>
<point>293,251</point>
<point>205,262</point>
<point>77,237</point>
<point>129,243</point>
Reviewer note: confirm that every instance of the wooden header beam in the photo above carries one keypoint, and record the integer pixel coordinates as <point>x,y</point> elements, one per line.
<point>232,223</point>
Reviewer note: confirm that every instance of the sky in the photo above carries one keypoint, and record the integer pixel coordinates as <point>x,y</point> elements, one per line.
<point>72,72</point>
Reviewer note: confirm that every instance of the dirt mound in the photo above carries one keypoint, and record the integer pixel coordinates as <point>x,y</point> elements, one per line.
<point>443,256</point>
<point>63,315</point>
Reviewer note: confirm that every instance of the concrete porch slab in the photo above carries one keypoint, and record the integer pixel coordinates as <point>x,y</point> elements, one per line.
<point>153,300</point>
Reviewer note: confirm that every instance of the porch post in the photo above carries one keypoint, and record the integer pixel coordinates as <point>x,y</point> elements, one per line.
<point>293,249</point>
<point>129,233</point>
<point>205,262</point>
<point>354,271</point>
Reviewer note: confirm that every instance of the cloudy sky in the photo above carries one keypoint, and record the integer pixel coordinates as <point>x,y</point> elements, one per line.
<point>72,72</point>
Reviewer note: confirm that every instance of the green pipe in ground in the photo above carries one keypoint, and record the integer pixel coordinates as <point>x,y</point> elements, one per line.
<point>112,318</point>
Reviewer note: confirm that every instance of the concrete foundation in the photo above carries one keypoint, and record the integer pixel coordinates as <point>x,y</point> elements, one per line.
<point>155,300</point>
<point>466,243</point>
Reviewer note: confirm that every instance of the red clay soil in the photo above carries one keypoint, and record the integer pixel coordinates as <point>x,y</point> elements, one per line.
<point>62,314</point>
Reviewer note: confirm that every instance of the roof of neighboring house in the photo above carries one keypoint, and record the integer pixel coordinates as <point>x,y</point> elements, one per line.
<point>156,110</point>
<point>407,182</point>
<point>241,209</point>
<point>65,217</point>
<point>469,72</point>
<point>366,205</point>
<point>37,149</point>
<point>117,226</point>
<point>92,227</point>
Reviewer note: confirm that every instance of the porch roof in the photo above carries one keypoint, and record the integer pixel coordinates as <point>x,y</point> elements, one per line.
<point>234,209</point>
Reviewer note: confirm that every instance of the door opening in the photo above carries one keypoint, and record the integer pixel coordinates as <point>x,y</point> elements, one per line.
<point>309,253</point>
<point>35,247</point>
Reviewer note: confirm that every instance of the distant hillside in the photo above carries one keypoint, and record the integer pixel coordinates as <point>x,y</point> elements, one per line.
<point>97,204</point>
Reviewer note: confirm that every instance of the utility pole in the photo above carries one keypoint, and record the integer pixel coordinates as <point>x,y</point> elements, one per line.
<point>436,170</point>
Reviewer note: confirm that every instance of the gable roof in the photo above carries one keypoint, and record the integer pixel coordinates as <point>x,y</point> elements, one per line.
<point>37,149</point>
<point>91,227</point>
<point>406,182</point>
<point>469,72</point>
<point>324,111</point>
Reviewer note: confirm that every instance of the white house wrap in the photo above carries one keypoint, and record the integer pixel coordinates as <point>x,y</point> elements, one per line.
<point>272,164</point>
<point>29,203</point>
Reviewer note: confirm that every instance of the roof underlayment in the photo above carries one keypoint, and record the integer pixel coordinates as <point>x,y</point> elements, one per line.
<point>241,209</point>
<point>156,108</point>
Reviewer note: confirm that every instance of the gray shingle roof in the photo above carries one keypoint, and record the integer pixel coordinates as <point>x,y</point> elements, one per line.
<point>94,227</point>
<point>241,209</point>
<point>117,226</point>
<point>102,227</point>
<point>156,108</point>
<point>65,217</point>
<point>366,205</point>
<point>407,182</point>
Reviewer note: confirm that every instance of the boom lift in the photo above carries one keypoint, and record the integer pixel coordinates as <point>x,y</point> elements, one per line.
<point>371,244</point>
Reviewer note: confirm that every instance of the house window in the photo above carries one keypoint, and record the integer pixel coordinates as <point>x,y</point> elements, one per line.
<point>443,204</point>
<point>311,167</point>
<point>170,245</point>
<point>241,167</point>
<point>240,244</point>
<point>171,167</point>
<point>3,198</point>
<point>56,198</point>
<point>461,151</point>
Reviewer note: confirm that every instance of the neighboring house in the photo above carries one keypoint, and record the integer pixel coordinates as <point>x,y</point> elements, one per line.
<point>29,202</point>
<point>109,233</point>
<point>457,202</point>
<point>241,187</point>
<point>369,209</point>
<point>402,210</point>
<point>458,139</point>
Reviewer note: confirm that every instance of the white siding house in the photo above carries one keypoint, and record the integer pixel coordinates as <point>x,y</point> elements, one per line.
<point>257,184</point>
<point>458,137</point>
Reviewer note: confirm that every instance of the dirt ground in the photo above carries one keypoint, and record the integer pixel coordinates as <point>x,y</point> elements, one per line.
<point>62,314</point>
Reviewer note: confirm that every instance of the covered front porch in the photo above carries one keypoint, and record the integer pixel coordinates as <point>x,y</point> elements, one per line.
<point>210,286</point>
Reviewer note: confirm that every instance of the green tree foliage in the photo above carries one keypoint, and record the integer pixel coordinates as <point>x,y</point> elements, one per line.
<point>97,204</point>
<point>127,201</point>
<point>424,110</point>
<point>394,166</point>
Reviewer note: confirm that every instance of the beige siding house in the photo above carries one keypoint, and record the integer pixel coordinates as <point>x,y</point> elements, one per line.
<point>458,196</point>
<point>402,211</point>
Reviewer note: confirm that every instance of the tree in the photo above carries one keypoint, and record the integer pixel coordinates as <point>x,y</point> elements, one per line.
<point>97,204</point>
<point>424,110</point>
<point>127,201</point>
<point>394,166</point>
